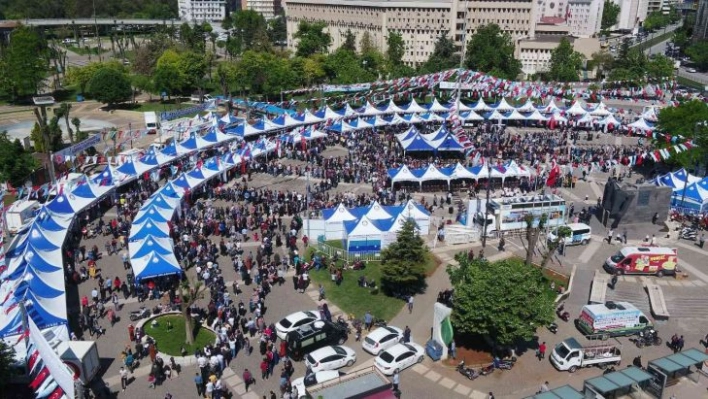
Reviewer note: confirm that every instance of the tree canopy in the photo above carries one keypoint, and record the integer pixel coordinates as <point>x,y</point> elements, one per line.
<point>566,63</point>
<point>23,63</point>
<point>403,263</point>
<point>688,119</point>
<point>505,300</point>
<point>121,9</point>
<point>610,12</point>
<point>110,86</point>
<point>491,50</point>
<point>16,165</point>
<point>443,56</point>
<point>698,52</point>
<point>312,38</point>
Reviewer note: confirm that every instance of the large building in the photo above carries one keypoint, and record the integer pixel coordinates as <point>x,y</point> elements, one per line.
<point>700,30</point>
<point>202,10</point>
<point>632,12</point>
<point>420,22</point>
<point>268,8</point>
<point>582,17</point>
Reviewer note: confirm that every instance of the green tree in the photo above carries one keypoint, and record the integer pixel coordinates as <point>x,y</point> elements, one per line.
<point>248,25</point>
<point>534,226</point>
<point>24,62</point>
<point>698,52</point>
<point>403,263</point>
<point>680,39</point>
<point>227,76</point>
<point>630,65</point>
<point>602,62</point>
<point>277,30</point>
<point>562,233</point>
<point>505,301</point>
<point>81,76</point>
<point>443,56</point>
<point>7,361</point>
<point>80,136</point>
<point>655,20</point>
<point>395,49</point>
<point>110,87</point>
<point>37,138</point>
<point>190,292</point>
<point>491,50</point>
<point>64,111</point>
<point>349,41</point>
<point>660,67</point>
<point>192,67</point>
<point>610,12</point>
<point>168,79</point>
<point>16,165</point>
<point>345,67</point>
<point>366,45</point>
<point>688,120</point>
<point>312,38</point>
<point>250,73</point>
<point>566,63</point>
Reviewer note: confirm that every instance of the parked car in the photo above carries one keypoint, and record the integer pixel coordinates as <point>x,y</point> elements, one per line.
<point>292,321</point>
<point>314,379</point>
<point>399,357</point>
<point>382,338</point>
<point>691,70</point>
<point>330,358</point>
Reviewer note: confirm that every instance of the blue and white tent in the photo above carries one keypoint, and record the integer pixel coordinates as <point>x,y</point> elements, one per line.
<point>155,265</point>
<point>61,205</point>
<point>693,198</point>
<point>141,249</point>
<point>149,229</point>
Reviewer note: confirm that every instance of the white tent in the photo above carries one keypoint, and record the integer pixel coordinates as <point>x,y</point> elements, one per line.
<point>558,118</point>
<point>550,108</point>
<point>640,124</point>
<point>496,116</point>
<point>600,110</point>
<point>515,116</point>
<point>433,174</point>
<point>437,107</point>
<point>393,108</point>
<point>416,212</point>
<point>404,175</point>
<point>471,116</point>
<point>334,219</point>
<point>610,120</point>
<point>363,235</point>
<point>586,119</point>
<point>528,107</point>
<point>650,114</point>
<point>480,106</point>
<point>576,109</point>
<point>371,109</point>
<point>536,116</point>
<point>461,107</point>
<point>460,172</point>
<point>504,106</point>
<point>413,107</point>
<point>377,212</point>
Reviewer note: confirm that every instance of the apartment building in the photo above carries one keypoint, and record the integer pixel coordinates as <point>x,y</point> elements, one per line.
<point>700,30</point>
<point>202,10</point>
<point>420,22</point>
<point>632,12</point>
<point>268,8</point>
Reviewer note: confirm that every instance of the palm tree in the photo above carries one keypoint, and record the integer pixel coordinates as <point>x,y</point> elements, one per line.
<point>190,292</point>
<point>561,234</point>
<point>532,234</point>
<point>212,39</point>
<point>64,111</point>
<point>77,123</point>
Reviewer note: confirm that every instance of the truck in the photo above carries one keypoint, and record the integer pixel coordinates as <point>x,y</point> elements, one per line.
<point>507,214</point>
<point>612,319</point>
<point>659,261</point>
<point>152,124</point>
<point>570,355</point>
<point>81,357</point>
<point>367,383</point>
<point>19,214</point>
<point>196,98</point>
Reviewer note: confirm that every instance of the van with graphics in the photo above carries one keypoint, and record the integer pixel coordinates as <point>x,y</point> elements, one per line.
<point>612,319</point>
<point>659,261</point>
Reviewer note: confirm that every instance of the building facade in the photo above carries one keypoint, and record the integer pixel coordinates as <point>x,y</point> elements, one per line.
<point>585,17</point>
<point>535,54</point>
<point>632,12</point>
<point>700,30</point>
<point>268,8</point>
<point>202,10</point>
<point>420,22</point>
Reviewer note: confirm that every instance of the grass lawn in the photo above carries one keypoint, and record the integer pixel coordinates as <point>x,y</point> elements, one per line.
<point>356,300</point>
<point>171,342</point>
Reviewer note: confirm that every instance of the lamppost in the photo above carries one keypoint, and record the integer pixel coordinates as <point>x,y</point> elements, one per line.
<point>40,113</point>
<point>486,207</point>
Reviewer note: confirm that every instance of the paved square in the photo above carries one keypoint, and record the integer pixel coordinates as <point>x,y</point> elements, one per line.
<point>463,390</point>
<point>432,376</point>
<point>447,383</point>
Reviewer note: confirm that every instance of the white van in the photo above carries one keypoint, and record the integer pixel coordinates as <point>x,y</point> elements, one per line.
<point>581,234</point>
<point>151,122</point>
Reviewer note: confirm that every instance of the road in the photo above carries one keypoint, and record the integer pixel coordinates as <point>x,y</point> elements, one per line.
<point>660,48</point>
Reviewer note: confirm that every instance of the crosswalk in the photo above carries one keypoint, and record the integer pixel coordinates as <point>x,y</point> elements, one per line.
<point>684,303</point>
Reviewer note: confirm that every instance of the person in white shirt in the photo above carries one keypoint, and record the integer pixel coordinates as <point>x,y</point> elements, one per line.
<point>201,361</point>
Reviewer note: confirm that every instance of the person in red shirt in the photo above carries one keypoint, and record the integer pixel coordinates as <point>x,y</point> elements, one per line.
<point>264,368</point>
<point>542,351</point>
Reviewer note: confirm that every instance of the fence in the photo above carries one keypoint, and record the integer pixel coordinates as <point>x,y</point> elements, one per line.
<point>181,113</point>
<point>341,253</point>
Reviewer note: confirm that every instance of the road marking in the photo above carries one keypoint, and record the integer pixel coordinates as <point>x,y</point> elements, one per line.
<point>432,376</point>
<point>447,383</point>
<point>463,390</point>
<point>589,251</point>
<point>595,189</point>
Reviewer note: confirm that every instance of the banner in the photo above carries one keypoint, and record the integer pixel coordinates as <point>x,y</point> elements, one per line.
<point>57,369</point>
<point>79,147</point>
<point>346,88</point>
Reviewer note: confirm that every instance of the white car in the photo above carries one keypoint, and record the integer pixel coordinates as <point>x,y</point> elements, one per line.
<point>691,70</point>
<point>399,357</point>
<point>293,321</point>
<point>382,338</point>
<point>330,358</point>
<point>313,379</point>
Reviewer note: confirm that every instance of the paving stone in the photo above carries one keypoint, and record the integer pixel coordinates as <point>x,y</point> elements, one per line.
<point>432,376</point>
<point>478,395</point>
<point>463,390</point>
<point>447,383</point>
<point>661,282</point>
<point>699,283</point>
<point>420,369</point>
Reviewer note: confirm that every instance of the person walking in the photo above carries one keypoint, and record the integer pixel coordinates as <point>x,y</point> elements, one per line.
<point>610,233</point>
<point>368,320</point>
<point>199,382</point>
<point>322,293</point>
<point>679,344</point>
<point>701,240</point>
<point>453,350</point>
<point>624,236</point>
<point>248,379</point>
<point>410,304</point>
<point>396,380</point>
<point>544,387</point>
<point>123,378</point>
<point>653,240</point>
<point>613,281</point>
<point>542,351</point>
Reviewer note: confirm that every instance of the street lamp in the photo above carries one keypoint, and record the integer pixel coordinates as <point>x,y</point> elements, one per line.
<point>40,112</point>
<point>486,207</point>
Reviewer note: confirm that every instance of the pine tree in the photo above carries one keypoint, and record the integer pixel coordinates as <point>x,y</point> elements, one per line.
<point>403,263</point>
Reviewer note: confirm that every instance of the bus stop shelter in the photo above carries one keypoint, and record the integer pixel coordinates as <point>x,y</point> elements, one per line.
<point>564,392</point>
<point>668,370</point>
<point>618,383</point>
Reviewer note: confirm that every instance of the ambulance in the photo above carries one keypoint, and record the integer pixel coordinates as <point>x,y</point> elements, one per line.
<point>659,261</point>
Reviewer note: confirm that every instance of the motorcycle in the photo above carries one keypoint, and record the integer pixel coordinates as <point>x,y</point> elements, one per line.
<point>553,327</point>
<point>648,338</point>
<point>487,370</point>
<point>141,313</point>
<point>468,372</point>
<point>505,364</point>
<point>562,314</point>
<point>609,370</point>
<point>343,323</point>
<point>380,323</point>
<point>688,233</point>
